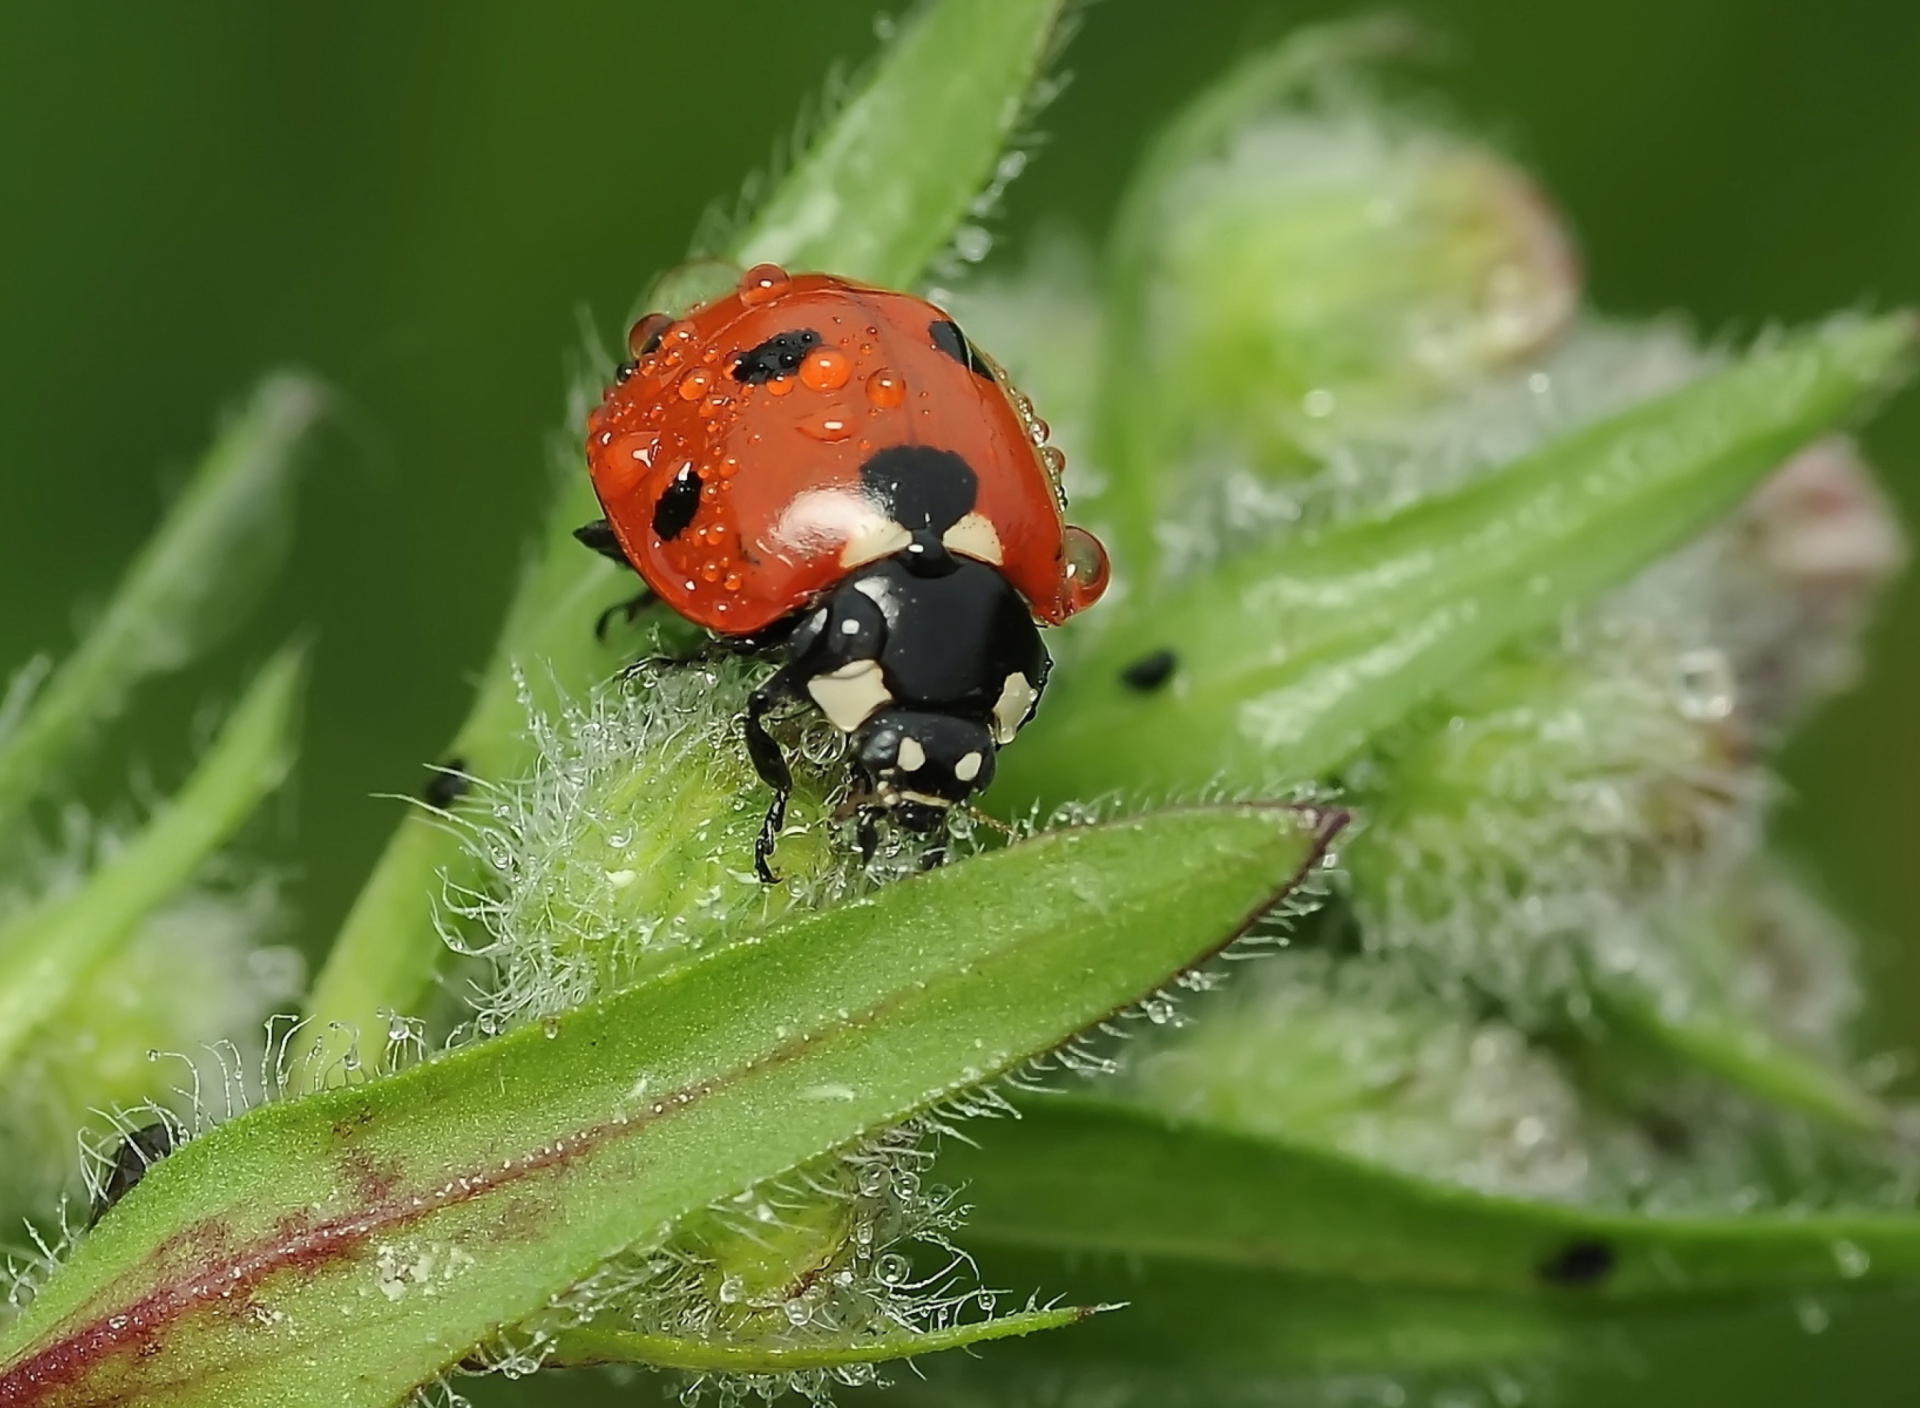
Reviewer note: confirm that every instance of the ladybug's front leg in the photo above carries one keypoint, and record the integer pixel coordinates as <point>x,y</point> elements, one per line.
<point>771,764</point>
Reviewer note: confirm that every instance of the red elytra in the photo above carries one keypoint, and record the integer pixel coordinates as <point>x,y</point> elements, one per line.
<point>728,460</point>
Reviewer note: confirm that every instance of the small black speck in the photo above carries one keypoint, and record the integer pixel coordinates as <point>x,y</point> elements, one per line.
<point>1584,1263</point>
<point>1150,671</point>
<point>948,338</point>
<point>448,784</point>
<point>625,370</point>
<point>677,505</point>
<point>779,355</point>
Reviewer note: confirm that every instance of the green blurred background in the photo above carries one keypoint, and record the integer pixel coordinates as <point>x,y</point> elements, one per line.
<point>418,201</point>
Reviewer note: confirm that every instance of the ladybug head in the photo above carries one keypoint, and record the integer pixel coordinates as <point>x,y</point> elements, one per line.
<point>919,765</point>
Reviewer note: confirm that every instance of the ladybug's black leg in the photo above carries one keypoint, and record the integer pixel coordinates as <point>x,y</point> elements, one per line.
<point>598,535</point>
<point>935,855</point>
<point>630,608</point>
<point>135,1154</point>
<point>868,833</point>
<point>771,764</point>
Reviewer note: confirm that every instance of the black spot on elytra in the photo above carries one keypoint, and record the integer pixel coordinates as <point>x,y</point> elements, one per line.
<point>138,1152</point>
<point>948,338</point>
<point>1587,1262</point>
<point>779,355</point>
<point>926,491</point>
<point>677,506</point>
<point>1150,671</point>
<point>448,784</point>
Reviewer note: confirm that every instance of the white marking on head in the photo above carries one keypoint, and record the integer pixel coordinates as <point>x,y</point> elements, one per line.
<point>912,756</point>
<point>968,768</point>
<point>849,695</point>
<point>973,536</point>
<point>1015,702</point>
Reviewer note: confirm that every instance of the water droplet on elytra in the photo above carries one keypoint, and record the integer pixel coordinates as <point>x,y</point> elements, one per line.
<point>762,284</point>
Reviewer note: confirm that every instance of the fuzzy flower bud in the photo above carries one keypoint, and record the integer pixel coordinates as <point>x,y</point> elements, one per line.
<point>1320,272</point>
<point>631,846</point>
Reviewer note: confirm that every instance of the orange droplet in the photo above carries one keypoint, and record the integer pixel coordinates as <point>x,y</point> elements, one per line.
<point>780,386</point>
<point>709,571</point>
<point>729,467</point>
<point>1055,461</point>
<point>1038,431</point>
<point>762,284</point>
<point>830,427</point>
<point>1087,570</point>
<point>643,338</point>
<point>886,388</point>
<point>713,405</point>
<point>826,369</point>
<point>733,581</point>
<point>695,383</point>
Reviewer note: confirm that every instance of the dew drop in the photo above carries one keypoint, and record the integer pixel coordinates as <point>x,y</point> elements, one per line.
<point>1814,1317</point>
<point>643,338</point>
<point>1704,685</point>
<point>972,243</point>
<point>1087,570</point>
<point>892,1269</point>
<point>887,389</point>
<point>1852,1259</point>
<point>826,369</point>
<point>762,284</point>
<point>1159,1011</point>
<point>798,1312</point>
<point>830,427</point>
<point>731,1289</point>
<point>695,383</point>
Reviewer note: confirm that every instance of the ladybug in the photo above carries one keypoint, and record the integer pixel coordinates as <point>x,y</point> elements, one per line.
<point>832,474</point>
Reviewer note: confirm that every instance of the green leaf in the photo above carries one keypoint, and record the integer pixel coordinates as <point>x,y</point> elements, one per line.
<point>457,1198</point>
<point>1292,658</point>
<point>875,196</point>
<point>47,952</point>
<point>1738,1047</point>
<point>224,536</point>
<point>879,192</point>
<point>590,1344</point>
<point>1086,1176</point>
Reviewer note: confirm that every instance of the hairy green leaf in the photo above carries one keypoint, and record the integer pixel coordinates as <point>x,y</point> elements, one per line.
<point>590,1344</point>
<point>1086,1176</point>
<point>1291,659</point>
<point>224,535</point>
<point>47,952</point>
<point>881,189</point>
<point>460,1196</point>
